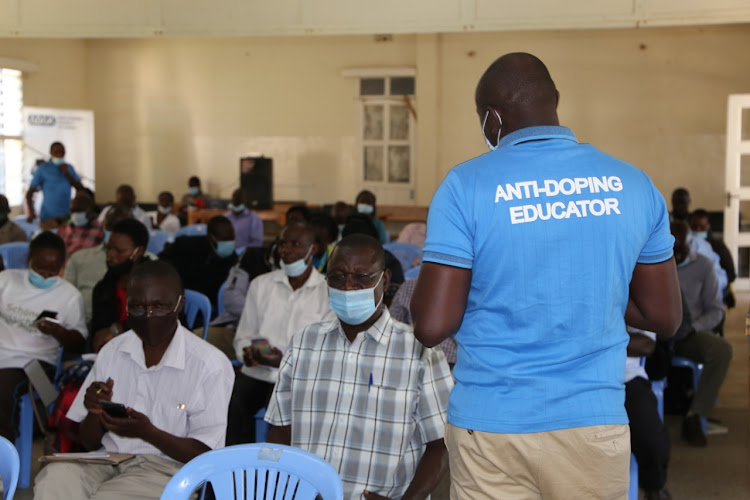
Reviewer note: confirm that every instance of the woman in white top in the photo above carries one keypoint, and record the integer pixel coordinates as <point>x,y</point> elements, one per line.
<point>39,312</point>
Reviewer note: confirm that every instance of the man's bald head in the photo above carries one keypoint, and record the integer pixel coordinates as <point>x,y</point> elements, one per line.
<point>518,89</point>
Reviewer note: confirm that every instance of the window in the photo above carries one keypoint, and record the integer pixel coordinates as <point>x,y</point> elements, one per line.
<point>387,131</point>
<point>11,141</point>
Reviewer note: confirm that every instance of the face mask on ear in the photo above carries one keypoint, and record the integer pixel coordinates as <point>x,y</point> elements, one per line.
<point>57,161</point>
<point>164,210</point>
<point>79,219</point>
<point>499,129</point>
<point>39,281</point>
<point>194,191</point>
<point>701,234</point>
<point>224,248</point>
<point>364,208</point>
<point>354,307</point>
<point>296,268</point>
<point>237,208</point>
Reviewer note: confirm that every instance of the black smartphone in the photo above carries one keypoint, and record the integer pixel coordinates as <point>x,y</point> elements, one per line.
<point>116,410</point>
<point>46,316</point>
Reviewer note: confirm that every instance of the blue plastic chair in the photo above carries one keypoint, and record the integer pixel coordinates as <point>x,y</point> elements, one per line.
<point>412,273</point>
<point>257,471</point>
<point>220,298</point>
<point>697,370</point>
<point>407,254</point>
<point>633,486</point>
<point>657,387</point>
<point>196,302</point>
<point>9,468</point>
<point>15,254</point>
<point>26,429</point>
<point>261,426</point>
<point>156,241</point>
<point>29,228</point>
<point>192,230</point>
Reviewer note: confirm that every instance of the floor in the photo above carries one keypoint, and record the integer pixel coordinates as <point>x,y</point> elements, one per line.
<point>719,471</point>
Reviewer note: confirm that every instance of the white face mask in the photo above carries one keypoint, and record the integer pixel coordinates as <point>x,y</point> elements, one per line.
<point>499,129</point>
<point>79,219</point>
<point>164,210</point>
<point>57,161</point>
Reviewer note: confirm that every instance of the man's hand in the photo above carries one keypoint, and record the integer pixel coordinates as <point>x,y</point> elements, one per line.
<point>369,495</point>
<point>98,391</point>
<point>30,218</point>
<point>247,356</point>
<point>272,359</point>
<point>50,328</point>
<point>135,425</point>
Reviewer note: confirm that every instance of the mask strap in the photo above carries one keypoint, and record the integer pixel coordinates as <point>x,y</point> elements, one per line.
<point>177,304</point>
<point>500,128</point>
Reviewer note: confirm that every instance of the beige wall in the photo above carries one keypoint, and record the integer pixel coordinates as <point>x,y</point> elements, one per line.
<point>168,109</point>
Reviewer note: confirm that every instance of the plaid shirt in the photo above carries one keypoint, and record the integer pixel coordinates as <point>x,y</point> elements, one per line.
<point>367,407</point>
<point>401,312</point>
<point>78,238</point>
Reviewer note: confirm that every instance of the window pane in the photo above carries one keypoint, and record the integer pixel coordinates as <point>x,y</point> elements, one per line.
<point>373,123</point>
<point>744,216</point>
<point>11,102</point>
<point>398,164</point>
<point>399,123</point>
<point>745,130</point>
<point>374,163</point>
<point>402,85</point>
<point>743,264</point>
<point>11,171</point>
<point>372,86</point>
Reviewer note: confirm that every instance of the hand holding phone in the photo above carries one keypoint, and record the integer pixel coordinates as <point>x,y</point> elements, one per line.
<point>116,410</point>
<point>47,316</point>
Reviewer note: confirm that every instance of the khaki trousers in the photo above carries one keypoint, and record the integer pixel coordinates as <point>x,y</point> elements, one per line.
<point>143,477</point>
<point>578,463</point>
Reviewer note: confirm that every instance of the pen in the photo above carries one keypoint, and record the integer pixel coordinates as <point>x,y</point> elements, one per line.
<point>370,386</point>
<point>110,378</point>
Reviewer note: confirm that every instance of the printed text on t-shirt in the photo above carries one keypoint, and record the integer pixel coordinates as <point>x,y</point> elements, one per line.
<point>559,209</point>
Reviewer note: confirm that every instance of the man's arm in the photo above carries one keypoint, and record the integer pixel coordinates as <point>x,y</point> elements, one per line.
<point>640,345</point>
<point>65,169</point>
<point>30,204</point>
<point>280,435</point>
<point>439,302</point>
<point>431,468</point>
<point>655,302</point>
<point>248,327</point>
<point>69,339</point>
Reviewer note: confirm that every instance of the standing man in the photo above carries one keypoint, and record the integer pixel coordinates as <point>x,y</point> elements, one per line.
<point>536,254</point>
<point>54,178</point>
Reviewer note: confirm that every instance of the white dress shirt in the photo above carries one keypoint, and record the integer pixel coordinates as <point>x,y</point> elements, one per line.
<point>186,394</point>
<point>138,214</point>
<point>275,312</point>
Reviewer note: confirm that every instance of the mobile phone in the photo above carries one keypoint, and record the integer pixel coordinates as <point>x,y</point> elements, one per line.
<point>47,316</point>
<point>262,347</point>
<point>116,410</point>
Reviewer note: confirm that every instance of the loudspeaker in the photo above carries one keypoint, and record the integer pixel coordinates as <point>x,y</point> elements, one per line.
<point>256,180</point>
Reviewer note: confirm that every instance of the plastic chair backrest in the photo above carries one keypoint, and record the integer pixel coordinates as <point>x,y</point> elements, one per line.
<point>15,254</point>
<point>29,228</point>
<point>412,273</point>
<point>220,298</point>
<point>196,302</point>
<point>10,466</point>
<point>257,471</point>
<point>156,241</point>
<point>407,254</point>
<point>192,230</point>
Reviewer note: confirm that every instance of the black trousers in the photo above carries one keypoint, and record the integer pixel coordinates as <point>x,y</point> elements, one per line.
<point>649,440</point>
<point>248,396</point>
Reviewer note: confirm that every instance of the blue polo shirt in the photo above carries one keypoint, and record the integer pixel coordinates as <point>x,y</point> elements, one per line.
<point>551,230</point>
<point>55,188</point>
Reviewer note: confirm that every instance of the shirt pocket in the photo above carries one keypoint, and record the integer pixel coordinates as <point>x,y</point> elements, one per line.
<point>171,417</point>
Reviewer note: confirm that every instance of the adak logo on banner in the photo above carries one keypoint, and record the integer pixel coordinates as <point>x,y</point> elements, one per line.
<point>42,120</point>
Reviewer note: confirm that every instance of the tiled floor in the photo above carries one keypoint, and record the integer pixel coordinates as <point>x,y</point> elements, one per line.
<point>719,471</point>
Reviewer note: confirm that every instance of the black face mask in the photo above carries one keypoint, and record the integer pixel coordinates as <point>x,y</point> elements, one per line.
<point>119,269</point>
<point>153,329</point>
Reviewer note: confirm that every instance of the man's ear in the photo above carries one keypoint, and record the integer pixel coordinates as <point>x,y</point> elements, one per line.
<point>386,279</point>
<point>139,253</point>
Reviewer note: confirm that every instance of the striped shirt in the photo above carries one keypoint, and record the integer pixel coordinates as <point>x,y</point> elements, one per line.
<point>367,407</point>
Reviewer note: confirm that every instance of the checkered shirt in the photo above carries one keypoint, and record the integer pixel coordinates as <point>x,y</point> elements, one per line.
<point>367,407</point>
<point>78,238</point>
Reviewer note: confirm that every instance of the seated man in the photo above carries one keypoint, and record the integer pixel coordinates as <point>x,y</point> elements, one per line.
<point>10,232</point>
<point>649,439</point>
<point>87,267</point>
<point>125,195</point>
<point>176,389</point>
<point>165,220</point>
<point>24,294</point>
<point>278,304</point>
<point>203,262</point>
<point>82,230</point>
<point>248,228</point>
<point>700,294</point>
<point>701,228</point>
<point>360,391</point>
<point>326,234</point>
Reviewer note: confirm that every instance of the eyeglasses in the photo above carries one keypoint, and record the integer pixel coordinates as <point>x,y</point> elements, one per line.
<point>362,280</point>
<point>158,309</point>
